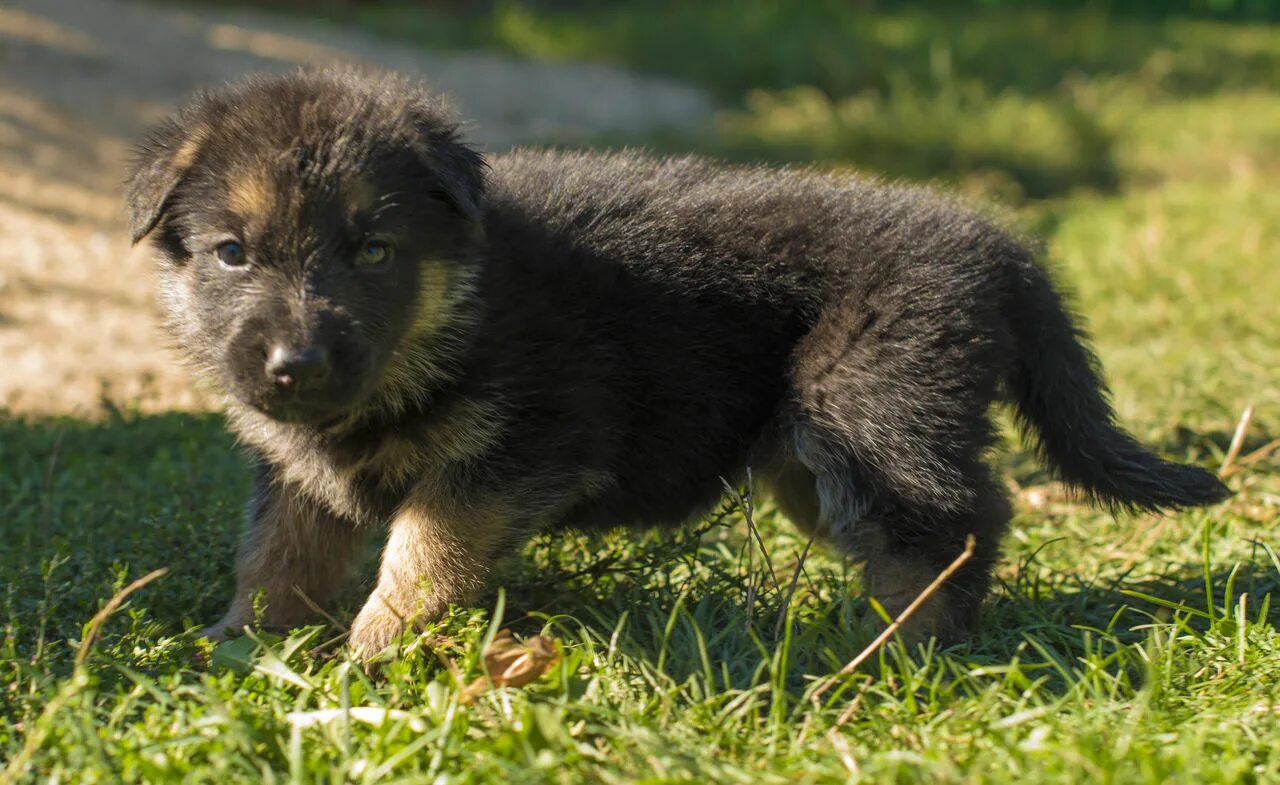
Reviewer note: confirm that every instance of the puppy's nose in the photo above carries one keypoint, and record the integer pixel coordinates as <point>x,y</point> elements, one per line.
<point>297,368</point>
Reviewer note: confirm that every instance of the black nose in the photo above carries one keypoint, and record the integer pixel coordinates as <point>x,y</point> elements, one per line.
<point>297,368</point>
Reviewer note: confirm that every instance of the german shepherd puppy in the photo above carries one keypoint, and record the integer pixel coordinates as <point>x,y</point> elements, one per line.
<point>476,350</point>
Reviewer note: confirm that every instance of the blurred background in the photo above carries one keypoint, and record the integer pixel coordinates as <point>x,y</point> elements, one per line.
<point>1138,139</point>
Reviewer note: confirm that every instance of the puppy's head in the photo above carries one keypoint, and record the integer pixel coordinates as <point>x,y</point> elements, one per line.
<point>308,227</point>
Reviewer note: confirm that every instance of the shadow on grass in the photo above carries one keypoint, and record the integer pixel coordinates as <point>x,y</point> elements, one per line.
<point>86,507</point>
<point>695,620</point>
<point>843,48</point>
<point>1014,97</point>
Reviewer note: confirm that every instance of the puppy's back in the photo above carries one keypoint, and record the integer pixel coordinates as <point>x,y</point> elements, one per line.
<point>786,238</point>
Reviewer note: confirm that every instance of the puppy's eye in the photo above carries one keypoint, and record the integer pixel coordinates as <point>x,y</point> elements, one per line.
<point>231,254</point>
<point>373,253</point>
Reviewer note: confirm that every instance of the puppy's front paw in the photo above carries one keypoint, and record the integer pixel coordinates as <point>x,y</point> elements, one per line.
<point>374,629</point>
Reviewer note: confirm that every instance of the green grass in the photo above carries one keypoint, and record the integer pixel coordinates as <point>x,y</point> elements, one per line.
<point>1022,100</point>
<point>1114,650</point>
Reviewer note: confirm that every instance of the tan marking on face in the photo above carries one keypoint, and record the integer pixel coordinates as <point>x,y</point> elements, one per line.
<point>417,362</point>
<point>189,150</point>
<point>176,295</point>
<point>360,197</point>
<point>251,196</point>
<point>435,296</point>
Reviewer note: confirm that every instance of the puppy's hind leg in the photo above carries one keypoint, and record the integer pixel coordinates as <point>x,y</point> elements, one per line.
<point>913,545</point>
<point>904,545</point>
<point>892,393</point>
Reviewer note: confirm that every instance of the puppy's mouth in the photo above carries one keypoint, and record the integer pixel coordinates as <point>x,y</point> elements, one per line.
<point>319,415</point>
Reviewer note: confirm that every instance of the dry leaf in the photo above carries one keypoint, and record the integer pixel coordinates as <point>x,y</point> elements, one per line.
<point>512,663</point>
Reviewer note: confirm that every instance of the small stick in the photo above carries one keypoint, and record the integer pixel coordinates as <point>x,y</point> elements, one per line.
<point>853,706</point>
<point>747,506</point>
<point>844,753</point>
<point>112,604</point>
<point>969,545</point>
<point>317,610</point>
<point>1237,440</point>
<point>1253,457</point>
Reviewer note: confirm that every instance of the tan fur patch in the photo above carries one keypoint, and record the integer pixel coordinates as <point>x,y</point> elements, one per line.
<point>438,553</point>
<point>435,296</point>
<point>189,150</point>
<point>360,197</point>
<point>465,430</point>
<point>441,550</point>
<point>299,462</point>
<point>413,366</point>
<point>251,196</point>
<point>397,459</point>
<point>470,428</point>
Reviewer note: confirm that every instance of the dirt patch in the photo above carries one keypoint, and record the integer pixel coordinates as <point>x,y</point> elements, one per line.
<point>81,79</point>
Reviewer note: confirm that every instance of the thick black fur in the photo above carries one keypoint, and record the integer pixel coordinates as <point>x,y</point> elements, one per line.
<point>594,339</point>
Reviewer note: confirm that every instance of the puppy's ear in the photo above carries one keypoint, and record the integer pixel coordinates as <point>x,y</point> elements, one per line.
<point>159,165</point>
<point>459,169</point>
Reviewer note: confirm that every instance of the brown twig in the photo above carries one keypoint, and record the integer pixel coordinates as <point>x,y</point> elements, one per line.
<point>1237,439</point>
<point>853,706</point>
<point>112,604</point>
<point>317,610</point>
<point>1251,458</point>
<point>929,591</point>
<point>843,752</point>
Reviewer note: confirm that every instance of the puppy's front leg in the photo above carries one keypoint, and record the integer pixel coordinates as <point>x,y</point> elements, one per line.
<point>292,545</point>
<point>438,553</point>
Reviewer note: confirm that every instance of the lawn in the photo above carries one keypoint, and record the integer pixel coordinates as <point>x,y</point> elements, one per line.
<point>1142,151</point>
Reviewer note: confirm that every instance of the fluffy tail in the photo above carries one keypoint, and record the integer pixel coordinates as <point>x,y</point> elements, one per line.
<point>1062,402</point>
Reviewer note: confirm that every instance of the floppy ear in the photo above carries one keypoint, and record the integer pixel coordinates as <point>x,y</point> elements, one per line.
<point>159,165</point>
<point>461,170</point>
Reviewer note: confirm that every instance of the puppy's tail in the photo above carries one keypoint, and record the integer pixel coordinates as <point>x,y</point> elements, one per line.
<point>1062,403</point>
